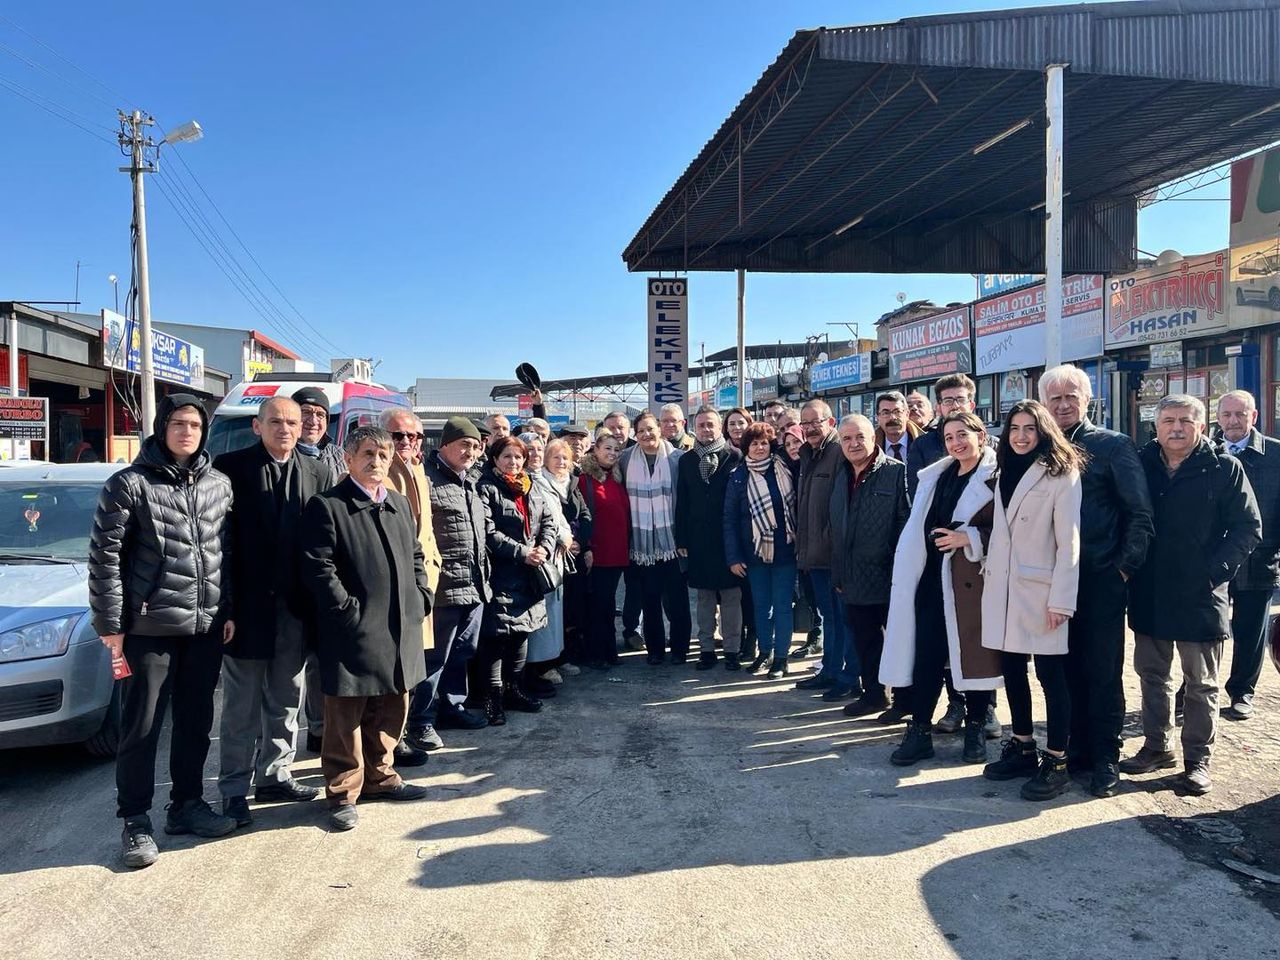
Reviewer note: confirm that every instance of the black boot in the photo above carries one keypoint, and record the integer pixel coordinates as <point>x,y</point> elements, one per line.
<point>1017,759</point>
<point>975,742</point>
<point>732,662</point>
<point>493,709</point>
<point>917,745</point>
<point>707,660</point>
<point>1051,780</point>
<point>778,668</point>
<point>516,699</point>
<point>758,663</point>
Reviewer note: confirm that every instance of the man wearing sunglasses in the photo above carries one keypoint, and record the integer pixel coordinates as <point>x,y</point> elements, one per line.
<point>407,477</point>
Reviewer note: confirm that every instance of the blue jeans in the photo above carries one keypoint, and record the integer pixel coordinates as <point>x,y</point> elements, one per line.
<point>771,588</point>
<point>456,634</point>
<point>839,659</point>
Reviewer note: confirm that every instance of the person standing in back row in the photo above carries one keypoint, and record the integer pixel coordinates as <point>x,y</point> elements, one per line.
<point>1115,533</point>
<point>160,593</point>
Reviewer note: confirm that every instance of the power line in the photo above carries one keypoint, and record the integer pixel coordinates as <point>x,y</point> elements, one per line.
<point>53,108</point>
<point>120,99</point>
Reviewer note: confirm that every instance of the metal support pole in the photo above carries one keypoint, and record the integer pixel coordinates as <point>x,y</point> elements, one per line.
<point>13,376</point>
<point>1053,215</point>
<point>742,338</point>
<point>144,281</point>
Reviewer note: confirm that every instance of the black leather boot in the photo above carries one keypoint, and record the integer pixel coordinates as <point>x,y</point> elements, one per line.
<point>917,745</point>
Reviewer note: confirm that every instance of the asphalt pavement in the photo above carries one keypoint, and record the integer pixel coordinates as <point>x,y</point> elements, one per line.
<point>654,812</point>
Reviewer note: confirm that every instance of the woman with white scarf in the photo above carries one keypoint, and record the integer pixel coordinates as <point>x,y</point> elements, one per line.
<point>545,643</point>
<point>649,476</point>
<point>759,541</point>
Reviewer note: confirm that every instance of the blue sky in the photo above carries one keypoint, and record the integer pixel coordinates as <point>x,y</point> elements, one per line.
<point>445,187</point>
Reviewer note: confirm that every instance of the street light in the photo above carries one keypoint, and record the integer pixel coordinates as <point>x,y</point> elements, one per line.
<point>115,281</point>
<point>135,144</point>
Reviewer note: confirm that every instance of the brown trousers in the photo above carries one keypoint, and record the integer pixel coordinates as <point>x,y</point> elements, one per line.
<point>360,737</point>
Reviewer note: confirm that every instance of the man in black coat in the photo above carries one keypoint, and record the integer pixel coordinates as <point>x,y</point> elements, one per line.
<point>1253,586</point>
<point>159,555</point>
<point>868,511</point>
<point>262,672</point>
<point>1206,524</point>
<point>363,562</point>
<point>701,478</point>
<point>1115,532</point>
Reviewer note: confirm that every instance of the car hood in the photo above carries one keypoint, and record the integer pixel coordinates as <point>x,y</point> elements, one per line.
<point>31,592</point>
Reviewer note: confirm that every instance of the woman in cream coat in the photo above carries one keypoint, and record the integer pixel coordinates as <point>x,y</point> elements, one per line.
<point>1031,573</point>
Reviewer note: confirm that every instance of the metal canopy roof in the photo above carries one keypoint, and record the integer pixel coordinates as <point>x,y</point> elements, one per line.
<point>605,381</point>
<point>878,148</point>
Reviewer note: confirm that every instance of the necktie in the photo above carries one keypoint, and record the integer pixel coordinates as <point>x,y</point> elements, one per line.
<point>897,450</point>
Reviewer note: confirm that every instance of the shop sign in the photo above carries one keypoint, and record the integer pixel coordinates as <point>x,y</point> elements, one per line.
<point>1255,240</point>
<point>254,367</point>
<point>172,360</point>
<point>931,347</point>
<point>1152,387</point>
<point>668,333</point>
<point>766,389</point>
<point>1177,301</point>
<point>1010,329</point>
<point>849,371</point>
<point>24,418</point>
<point>1166,354</point>
<point>991,284</point>
<point>727,395</point>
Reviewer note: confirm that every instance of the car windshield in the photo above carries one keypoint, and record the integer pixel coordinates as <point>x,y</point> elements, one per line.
<point>227,434</point>
<point>44,521</point>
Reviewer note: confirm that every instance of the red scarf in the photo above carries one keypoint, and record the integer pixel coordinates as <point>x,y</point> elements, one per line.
<point>518,484</point>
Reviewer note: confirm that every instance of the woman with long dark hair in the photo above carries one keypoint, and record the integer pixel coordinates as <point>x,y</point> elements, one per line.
<point>935,603</point>
<point>1031,575</point>
<point>605,554</point>
<point>520,535</point>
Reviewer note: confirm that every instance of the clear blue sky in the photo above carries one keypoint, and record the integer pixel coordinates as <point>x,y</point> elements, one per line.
<point>445,187</point>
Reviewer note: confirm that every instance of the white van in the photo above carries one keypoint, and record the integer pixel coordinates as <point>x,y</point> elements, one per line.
<point>351,404</point>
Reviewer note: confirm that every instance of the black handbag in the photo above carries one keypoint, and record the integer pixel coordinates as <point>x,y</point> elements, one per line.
<point>548,577</point>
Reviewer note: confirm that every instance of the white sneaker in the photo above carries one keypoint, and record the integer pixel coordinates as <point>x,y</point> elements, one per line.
<point>570,669</point>
<point>553,676</point>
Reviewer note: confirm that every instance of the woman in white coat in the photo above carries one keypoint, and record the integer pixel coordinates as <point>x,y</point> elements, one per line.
<point>935,603</point>
<point>1031,574</point>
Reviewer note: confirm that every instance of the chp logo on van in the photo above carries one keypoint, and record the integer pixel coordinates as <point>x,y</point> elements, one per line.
<point>256,394</point>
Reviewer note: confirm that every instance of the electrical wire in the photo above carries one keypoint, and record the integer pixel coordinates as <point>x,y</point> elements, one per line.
<point>53,108</point>
<point>119,98</point>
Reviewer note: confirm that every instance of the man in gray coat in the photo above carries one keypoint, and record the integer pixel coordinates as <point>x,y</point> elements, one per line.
<point>868,511</point>
<point>363,562</point>
<point>819,457</point>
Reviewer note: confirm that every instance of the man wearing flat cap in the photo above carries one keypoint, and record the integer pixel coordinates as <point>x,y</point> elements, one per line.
<point>363,563</point>
<point>458,521</point>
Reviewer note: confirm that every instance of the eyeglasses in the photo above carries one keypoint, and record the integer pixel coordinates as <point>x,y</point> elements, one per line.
<point>314,414</point>
<point>399,436</point>
<point>811,423</point>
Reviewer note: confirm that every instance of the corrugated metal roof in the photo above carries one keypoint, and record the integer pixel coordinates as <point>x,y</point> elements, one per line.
<point>877,124</point>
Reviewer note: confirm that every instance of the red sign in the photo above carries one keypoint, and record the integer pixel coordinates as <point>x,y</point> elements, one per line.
<point>24,383</point>
<point>931,347</point>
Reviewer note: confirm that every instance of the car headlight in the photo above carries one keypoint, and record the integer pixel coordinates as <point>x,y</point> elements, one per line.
<point>47,638</point>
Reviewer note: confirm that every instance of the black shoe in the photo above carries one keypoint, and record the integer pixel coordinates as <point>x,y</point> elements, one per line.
<point>424,738</point>
<point>237,808</point>
<point>1051,780</point>
<point>810,648</point>
<point>1017,759</point>
<point>732,661</point>
<point>137,844</point>
<point>401,791</point>
<point>291,791</point>
<point>456,719</point>
<point>841,691</point>
<point>632,640</point>
<point>679,659</point>
<point>601,665</point>
<point>758,662</point>
<point>493,711</point>
<point>407,755</point>
<point>197,817</point>
<point>975,743</point>
<point>864,706</point>
<point>1105,780</point>
<point>896,713</point>
<point>991,727</point>
<point>816,682</point>
<point>917,745</point>
<point>343,817</point>
<point>539,688</point>
<point>513,698</point>
<point>313,743</point>
<point>655,659</point>
<point>707,661</point>
<point>953,719</point>
<point>1147,760</point>
<point>778,668</point>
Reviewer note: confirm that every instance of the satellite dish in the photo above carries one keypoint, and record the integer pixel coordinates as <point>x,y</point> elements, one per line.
<point>1168,257</point>
<point>822,357</point>
<point>902,297</point>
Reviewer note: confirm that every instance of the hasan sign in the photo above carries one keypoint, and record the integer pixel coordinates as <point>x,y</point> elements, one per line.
<point>1176,301</point>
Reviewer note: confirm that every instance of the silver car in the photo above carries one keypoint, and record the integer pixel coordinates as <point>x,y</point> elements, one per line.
<point>55,674</point>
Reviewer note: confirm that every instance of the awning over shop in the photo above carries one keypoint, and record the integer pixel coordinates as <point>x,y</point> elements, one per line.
<point>919,146</point>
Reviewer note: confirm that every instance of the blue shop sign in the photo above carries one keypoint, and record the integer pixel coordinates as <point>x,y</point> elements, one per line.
<point>989,284</point>
<point>846,372</point>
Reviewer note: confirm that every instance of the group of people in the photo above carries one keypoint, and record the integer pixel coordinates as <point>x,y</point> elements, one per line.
<point>376,594</point>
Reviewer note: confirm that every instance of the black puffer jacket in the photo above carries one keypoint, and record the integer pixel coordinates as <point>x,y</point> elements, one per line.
<point>1115,515</point>
<point>864,533</point>
<point>159,554</point>
<point>458,521</point>
<point>517,605</point>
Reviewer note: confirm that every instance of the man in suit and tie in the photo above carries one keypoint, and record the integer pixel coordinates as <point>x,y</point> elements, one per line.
<point>895,431</point>
<point>263,665</point>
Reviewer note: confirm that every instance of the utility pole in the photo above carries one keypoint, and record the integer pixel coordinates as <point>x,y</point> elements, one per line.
<point>132,136</point>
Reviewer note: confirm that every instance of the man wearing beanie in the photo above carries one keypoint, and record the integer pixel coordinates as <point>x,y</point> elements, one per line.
<point>315,441</point>
<point>458,519</point>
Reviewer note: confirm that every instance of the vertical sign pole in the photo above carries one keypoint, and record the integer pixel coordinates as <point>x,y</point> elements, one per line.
<point>1053,215</point>
<point>742,338</point>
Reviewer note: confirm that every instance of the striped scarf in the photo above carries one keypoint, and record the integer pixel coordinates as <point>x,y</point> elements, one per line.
<point>650,496</point>
<point>708,456</point>
<point>764,525</point>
